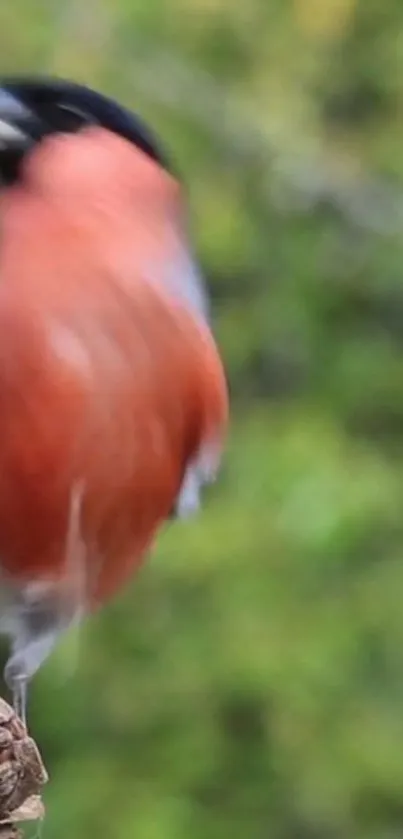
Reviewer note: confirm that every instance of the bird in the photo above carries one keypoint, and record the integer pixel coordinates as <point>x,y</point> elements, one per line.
<point>114,405</point>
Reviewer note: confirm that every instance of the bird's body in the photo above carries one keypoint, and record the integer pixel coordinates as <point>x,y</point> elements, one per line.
<point>113,402</point>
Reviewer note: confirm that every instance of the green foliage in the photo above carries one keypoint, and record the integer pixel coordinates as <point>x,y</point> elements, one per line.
<point>250,682</point>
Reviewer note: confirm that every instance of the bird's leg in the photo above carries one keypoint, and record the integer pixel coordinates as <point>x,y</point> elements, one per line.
<point>35,623</point>
<point>38,613</point>
<point>19,691</point>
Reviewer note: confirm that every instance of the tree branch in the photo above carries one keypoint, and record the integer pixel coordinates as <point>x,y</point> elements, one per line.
<point>22,775</point>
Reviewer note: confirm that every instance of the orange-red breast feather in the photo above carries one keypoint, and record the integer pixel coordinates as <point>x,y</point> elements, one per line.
<point>110,379</point>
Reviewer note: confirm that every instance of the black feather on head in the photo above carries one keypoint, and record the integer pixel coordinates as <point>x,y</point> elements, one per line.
<point>31,108</point>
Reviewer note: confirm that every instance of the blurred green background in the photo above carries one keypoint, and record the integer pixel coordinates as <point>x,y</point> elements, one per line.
<point>250,681</point>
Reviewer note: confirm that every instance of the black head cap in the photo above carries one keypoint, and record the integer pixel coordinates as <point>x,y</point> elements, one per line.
<point>33,107</point>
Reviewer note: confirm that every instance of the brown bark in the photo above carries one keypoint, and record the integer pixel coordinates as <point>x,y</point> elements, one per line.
<point>22,775</point>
